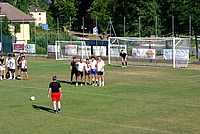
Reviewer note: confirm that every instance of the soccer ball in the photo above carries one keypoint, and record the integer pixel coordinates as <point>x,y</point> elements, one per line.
<point>32,98</point>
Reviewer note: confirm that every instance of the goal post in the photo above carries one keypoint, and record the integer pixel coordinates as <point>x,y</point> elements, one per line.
<point>68,49</point>
<point>169,52</point>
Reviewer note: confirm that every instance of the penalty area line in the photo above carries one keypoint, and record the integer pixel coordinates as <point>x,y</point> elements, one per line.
<point>101,95</point>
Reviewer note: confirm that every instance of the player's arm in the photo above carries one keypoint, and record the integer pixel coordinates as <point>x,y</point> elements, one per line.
<point>17,61</point>
<point>70,68</point>
<point>60,89</point>
<point>49,91</point>
<point>25,64</point>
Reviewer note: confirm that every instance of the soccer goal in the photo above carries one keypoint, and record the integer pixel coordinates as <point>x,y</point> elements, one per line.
<point>170,52</point>
<point>68,49</point>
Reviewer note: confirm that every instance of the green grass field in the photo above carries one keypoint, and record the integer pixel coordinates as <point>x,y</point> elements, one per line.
<point>135,100</point>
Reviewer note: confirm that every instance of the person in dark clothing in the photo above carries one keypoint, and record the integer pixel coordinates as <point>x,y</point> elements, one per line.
<point>56,94</point>
<point>123,55</point>
<point>73,69</point>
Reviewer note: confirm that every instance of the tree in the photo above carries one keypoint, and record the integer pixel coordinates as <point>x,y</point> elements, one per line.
<point>65,10</point>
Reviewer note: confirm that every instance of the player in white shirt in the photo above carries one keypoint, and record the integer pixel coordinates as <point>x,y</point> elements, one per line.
<point>24,68</point>
<point>87,71</point>
<point>10,63</point>
<point>80,66</point>
<point>100,70</point>
<point>94,71</point>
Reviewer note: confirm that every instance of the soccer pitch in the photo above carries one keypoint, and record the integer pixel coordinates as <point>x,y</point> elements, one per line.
<point>135,100</point>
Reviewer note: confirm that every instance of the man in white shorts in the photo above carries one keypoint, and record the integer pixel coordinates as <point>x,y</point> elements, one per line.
<point>2,68</point>
<point>80,65</point>
<point>10,63</point>
<point>100,71</point>
<point>87,71</point>
<point>94,71</point>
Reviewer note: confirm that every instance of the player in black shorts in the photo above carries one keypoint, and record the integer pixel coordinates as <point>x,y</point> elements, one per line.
<point>73,69</point>
<point>123,55</point>
<point>56,94</point>
<point>19,64</point>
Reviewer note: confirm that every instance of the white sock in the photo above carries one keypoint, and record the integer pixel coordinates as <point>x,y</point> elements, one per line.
<point>102,83</point>
<point>0,77</point>
<point>99,83</point>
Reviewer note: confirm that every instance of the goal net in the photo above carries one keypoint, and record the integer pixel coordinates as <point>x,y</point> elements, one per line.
<point>170,52</point>
<point>68,49</point>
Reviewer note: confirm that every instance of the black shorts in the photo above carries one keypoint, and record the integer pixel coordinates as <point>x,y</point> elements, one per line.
<point>100,73</point>
<point>74,72</point>
<point>19,67</point>
<point>11,70</point>
<point>80,73</point>
<point>24,70</point>
<point>87,73</point>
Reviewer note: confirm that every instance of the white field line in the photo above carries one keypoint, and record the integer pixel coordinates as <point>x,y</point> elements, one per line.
<point>152,74</point>
<point>121,125</point>
<point>103,95</point>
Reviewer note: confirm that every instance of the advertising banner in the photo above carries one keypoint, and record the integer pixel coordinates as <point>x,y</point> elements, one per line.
<point>30,48</point>
<point>181,54</point>
<point>85,50</point>
<point>116,49</point>
<point>144,53</point>
<point>71,50</point>
<point>99,50</point>
<point>18,47</point>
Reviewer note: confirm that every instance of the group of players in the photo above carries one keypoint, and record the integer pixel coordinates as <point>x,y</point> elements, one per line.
<point>92,71</point>
<point>10,63</point>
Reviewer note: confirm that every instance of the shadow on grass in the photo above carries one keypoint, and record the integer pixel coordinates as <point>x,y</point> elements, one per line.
<point>42,108</point>
<point>62,81</point>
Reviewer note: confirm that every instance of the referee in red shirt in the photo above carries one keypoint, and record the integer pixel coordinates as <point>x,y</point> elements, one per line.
<point>55,89</point>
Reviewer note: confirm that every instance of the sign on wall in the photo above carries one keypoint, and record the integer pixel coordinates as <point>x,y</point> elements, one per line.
<point>144,53</point>
<point>85,50</point>
<point>181,54</point>
<point>30,48</point>
<point>116,49</point>
<point>71,50</point>
<point>99,50</point>
<point>18,47</point>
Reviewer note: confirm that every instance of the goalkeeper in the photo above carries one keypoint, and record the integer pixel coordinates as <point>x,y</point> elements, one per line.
<point>124,58</point>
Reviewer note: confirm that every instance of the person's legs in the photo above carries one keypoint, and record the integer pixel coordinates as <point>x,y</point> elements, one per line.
<point>122,62</point>
<point>4,74</point>
<point>126,63</point>
<point>26,74</point>
<point>0,74</point>
<point>54,107</point>
<point>59,106</point>
<point>72,74</point>
<point>102,80</point>
<point>99,79</point>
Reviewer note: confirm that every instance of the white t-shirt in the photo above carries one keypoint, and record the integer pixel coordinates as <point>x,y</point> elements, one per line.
<point>81,66</point>
<point>93,64</point>
<point>100,65</point>
<point>87,66</point>
<point>10,63</point>
<point>24,64</point>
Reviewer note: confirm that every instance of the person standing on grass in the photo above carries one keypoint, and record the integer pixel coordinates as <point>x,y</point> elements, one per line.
<point>94,71</point>
<point>87,71</point>
<point>10,63</point>
<point>23,68</point>
<point>80,66</point>
<point>56,94</point>
<point>73,69</point>
<point>19,64</point>
<point>124,58</point>
<point>100,69</point>
<point>2,68</point>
